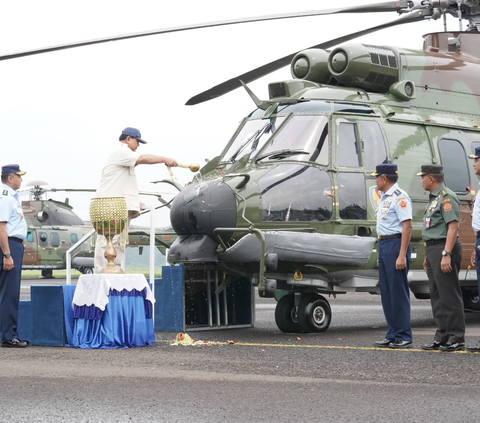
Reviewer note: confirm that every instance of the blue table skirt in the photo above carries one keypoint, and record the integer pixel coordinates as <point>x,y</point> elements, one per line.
<point>123,324</point>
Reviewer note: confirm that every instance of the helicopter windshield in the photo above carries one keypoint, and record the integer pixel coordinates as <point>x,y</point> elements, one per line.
<point>253,135</point>
<point>302,138</point>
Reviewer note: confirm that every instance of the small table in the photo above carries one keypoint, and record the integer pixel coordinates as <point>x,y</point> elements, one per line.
<point>112,311</point>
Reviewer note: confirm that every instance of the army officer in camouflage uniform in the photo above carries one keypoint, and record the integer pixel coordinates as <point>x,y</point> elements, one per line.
<point>443,254</point>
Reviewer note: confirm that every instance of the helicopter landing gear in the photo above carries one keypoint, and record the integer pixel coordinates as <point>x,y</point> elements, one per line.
<point>47,273</point>
<point>314,313</point>
<point>471,300</point>
<point>87,271</point>
<point>286,314</point>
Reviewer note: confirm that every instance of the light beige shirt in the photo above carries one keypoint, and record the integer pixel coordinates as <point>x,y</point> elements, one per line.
<point>119,178</point>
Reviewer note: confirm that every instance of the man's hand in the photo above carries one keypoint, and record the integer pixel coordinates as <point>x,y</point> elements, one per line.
<point>445,264</point>
<point>170,162</point>
<point>8,263</point>
<point>472,258</point>
<point>401,263</point>
<point>425,264</point>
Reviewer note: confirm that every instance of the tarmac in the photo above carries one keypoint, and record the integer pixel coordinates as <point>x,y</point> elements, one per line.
<point>257,374</point>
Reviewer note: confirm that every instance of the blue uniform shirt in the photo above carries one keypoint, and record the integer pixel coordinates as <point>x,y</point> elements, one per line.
<point>394,208</point>
<point>476,213</point>
<point>12,213</point>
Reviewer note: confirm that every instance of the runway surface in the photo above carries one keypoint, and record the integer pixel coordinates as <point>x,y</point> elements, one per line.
<point>264,376</point>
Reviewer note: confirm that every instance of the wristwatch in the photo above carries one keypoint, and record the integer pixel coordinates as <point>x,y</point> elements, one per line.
<point>446,253</point>
<point>7,255</point>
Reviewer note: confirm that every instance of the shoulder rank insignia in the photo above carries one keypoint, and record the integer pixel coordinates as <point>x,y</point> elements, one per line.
<point>5,192</point>
<point>444,192</point>
<point>397,192</point>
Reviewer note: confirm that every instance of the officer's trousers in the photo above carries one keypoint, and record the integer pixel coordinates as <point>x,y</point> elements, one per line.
<point>394,290</point>
<point>477,262</point>
<point>10,292</point>
<point>446,295</point>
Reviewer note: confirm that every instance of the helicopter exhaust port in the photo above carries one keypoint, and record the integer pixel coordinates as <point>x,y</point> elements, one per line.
<point>311,65</point>
<point>369,67</point>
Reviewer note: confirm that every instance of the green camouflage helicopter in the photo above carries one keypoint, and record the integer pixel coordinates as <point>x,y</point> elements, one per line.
<point>288,205</point>
<point>53,228</point>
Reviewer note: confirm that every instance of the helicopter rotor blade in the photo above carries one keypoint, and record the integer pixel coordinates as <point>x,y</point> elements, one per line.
<point>389,6</point>
<point>234,83</point>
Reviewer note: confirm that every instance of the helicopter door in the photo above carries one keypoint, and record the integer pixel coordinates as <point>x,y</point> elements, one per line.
<point>31,249</point>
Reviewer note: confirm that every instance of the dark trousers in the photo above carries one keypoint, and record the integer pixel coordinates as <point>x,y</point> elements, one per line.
<point>446,295</point>
<point>477,262</point>
<point>394,290</point>
<point>10,292</point>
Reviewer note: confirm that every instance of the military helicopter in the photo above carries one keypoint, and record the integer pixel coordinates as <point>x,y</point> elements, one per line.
<point>53,228</point>
<point>288,205</point>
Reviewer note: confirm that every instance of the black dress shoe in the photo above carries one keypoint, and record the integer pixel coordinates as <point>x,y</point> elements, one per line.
<point>473,348</point>
<point>15,343</point>
<point>435,345</point>
<point>400,344</point>
<point>455,346</point>
<point>383,344</point>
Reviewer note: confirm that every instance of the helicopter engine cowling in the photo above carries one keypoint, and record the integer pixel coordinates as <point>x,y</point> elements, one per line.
<point>311,65</point>
<point>365,66</point>
<point>200,208</point>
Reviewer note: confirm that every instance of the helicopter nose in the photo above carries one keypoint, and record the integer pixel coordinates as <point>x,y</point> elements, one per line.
<point>202,207</point>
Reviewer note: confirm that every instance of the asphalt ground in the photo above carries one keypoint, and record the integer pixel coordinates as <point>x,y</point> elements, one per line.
<point>263,376</point>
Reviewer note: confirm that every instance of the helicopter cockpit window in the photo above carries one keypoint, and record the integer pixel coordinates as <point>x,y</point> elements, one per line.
<point>43,239</point>
<point>303,138</point>
<point>348,152</point>
<point>455,166</point>
<point>252,136</point>
<point>351,196</point>
<point>54,240</point>
<point>296,193</point>
<point>373,144</point>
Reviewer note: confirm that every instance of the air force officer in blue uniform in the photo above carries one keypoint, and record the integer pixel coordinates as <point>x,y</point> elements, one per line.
<point>13,230</point>
<point>394,229</point>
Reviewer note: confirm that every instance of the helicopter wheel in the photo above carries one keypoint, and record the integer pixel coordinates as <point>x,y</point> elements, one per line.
<point>47,273</point>
<point>87,271</point>
<point>314,313</point>
<point>286,314</point>
<point>471,300</point>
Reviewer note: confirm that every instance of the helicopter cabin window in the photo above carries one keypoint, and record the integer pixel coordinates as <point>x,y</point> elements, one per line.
<point>74,238</point>
<point>303,138</point>
<point>253,136</point>
<point>296,193</point>
<point>351,196</point>
<point>54,240</point>
<point>348,153</point>
<point>455,166</point>
<point>373,144</point>
<point>43,239</point>
<point>30,236</point>
<point>474,145</point>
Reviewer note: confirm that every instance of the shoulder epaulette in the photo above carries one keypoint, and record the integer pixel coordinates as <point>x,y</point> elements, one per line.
<point>397,192</point>
<point>444,192</point>
<point>5,192</point>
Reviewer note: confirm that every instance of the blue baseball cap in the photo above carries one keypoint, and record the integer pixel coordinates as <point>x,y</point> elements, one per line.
<point>476,155</point>
<point>386,169</point>
<point>12,168</point>
<point>135,133</point>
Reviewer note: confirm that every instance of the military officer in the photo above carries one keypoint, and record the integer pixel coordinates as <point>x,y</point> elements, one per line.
<point>394,229</point>
<point>13,230</point>
<point>443,254</point>
<point>475,259</point>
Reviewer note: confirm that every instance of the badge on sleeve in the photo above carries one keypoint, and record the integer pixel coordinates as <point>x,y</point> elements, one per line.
<point>403,204</point>
<point>447,207</point>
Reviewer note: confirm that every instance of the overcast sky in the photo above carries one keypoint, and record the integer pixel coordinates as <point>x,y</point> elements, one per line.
<point>61,113</point>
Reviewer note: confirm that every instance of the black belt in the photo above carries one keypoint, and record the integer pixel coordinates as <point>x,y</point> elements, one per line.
<point>382,237</point>
<point>434,242</point>
<point>477,234</point>
<point>13,238</point>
